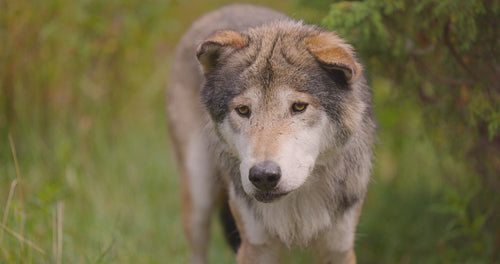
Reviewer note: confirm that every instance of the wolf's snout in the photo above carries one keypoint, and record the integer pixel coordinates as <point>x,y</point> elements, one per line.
<point>265,175</point>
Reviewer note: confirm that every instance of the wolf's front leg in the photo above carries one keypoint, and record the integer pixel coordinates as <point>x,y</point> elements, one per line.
<point>257,247</point>
<point>336,246</point>
<point>345,257</point>
<point>199,191</point>
<point>269,253</point>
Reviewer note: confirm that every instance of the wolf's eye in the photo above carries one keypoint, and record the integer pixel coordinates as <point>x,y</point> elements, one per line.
<point>299,107</point>
<point>243,110</point>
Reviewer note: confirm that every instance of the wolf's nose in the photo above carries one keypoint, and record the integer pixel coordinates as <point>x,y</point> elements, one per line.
<point>265,175</point>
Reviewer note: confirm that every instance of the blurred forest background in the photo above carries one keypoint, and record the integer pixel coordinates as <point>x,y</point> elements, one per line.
<point>85,168</point>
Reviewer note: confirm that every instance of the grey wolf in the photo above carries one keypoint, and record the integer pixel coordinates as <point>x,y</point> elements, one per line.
<point>272,119</point>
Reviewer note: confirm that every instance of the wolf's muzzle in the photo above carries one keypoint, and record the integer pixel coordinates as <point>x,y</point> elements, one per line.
<point>265,175</point>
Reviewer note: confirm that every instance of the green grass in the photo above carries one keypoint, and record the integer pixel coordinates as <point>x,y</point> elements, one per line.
<point>81,96</point>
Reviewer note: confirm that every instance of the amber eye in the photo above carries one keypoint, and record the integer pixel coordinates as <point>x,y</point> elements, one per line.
<point>243,110</point>
<point>299,107</point>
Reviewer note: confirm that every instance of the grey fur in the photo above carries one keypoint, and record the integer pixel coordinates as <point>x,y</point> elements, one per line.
<point>275,56</point>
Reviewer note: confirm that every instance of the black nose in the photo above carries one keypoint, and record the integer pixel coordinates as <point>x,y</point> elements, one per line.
<point>265,175</point>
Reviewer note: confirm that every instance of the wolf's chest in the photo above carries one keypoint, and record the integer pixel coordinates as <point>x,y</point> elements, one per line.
<point>298,219</point>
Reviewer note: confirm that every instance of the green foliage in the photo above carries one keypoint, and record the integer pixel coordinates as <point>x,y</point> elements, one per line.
<point>444,51</point>
<point>444,55</point>
<point>81,94</point>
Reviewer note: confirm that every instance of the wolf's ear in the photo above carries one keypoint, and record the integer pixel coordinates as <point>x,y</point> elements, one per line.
<point>333,53</point>
<point>209,51</point>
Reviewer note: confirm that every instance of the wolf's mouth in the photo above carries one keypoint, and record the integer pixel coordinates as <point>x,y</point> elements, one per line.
<point>268,197</point>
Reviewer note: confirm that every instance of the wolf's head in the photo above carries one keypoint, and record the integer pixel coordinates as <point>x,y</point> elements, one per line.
<point>283,97</point>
